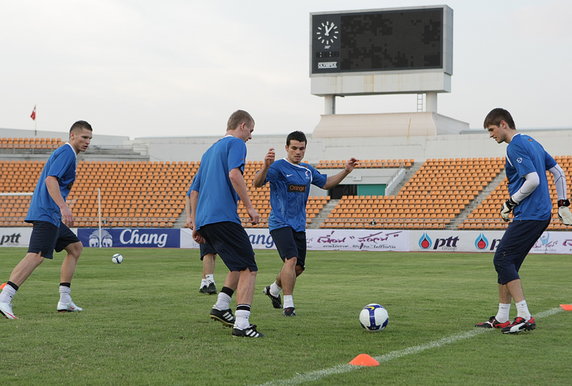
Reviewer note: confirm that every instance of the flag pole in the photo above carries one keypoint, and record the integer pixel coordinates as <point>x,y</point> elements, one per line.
<point>33,116</point>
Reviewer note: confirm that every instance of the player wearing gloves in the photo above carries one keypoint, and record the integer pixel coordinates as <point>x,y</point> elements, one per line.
<point>564,212</point>
<point>531,206</point>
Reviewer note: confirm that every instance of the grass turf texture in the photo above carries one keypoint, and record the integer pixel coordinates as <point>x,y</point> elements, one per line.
<point>146,323</point>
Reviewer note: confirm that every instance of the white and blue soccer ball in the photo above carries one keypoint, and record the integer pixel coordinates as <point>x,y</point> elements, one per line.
<point>117,258</point>
<point>374,317</point>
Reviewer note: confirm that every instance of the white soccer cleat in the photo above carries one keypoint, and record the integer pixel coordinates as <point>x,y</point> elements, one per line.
<point>6,311</point>
<point>68,307</point>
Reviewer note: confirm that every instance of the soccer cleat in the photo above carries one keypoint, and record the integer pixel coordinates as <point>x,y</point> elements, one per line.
<point>68,307</point>
<point>493,323</point>
<point>208,289</point>
<point>276,301</point>
<point>211,289</point>
<point>6,311</point>
<point>225,317</point>
<point>289,311</point>
<point>249,332</point>
<point>518,325</point>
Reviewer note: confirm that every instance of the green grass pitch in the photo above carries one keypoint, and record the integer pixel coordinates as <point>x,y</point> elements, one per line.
<point>146,323</point>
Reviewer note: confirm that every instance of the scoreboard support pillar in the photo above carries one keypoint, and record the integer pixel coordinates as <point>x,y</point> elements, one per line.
<point>329,104</point>
<point>431,102</point>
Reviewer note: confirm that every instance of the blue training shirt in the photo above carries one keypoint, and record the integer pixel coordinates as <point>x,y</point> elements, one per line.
<point>218,201</point>
<point>289,191</point>
<point>62,165</point>
<point>525,155</point>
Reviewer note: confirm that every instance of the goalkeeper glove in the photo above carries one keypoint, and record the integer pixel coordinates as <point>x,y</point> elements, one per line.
<point>564,212</point>
<point>506,208</point>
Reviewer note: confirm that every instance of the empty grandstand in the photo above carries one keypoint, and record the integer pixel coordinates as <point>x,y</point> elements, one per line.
<point>436,193</point>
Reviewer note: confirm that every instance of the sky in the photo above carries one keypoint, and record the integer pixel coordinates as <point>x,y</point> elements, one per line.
<point>146,68</point>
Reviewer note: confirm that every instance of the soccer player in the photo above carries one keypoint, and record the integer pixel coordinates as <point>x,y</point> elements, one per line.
<point>529,201</point>
<point>215,191</point>
<point>50,215</point>
<point>207,254</point>
<point>290,181</point>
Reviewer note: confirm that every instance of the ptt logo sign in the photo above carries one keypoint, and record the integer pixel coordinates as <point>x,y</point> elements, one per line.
<point>447,244</point>
<point>12,239</point>
<point>482,243</point>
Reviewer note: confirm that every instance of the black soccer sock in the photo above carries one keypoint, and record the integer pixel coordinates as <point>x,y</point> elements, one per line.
<point>12,285</point>
<point>228,291</point>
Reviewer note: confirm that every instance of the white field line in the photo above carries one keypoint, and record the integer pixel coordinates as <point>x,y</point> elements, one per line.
<point>344,368</point>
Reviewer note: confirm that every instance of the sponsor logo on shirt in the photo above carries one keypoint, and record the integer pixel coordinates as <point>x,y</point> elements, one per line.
<point>297,188</point>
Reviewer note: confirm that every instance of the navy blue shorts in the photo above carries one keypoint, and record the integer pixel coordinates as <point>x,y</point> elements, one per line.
<point>289,244</point>
<point>517,241</point>
<point>206,249</point>
<point>231,243</point>
<point>46,237</point>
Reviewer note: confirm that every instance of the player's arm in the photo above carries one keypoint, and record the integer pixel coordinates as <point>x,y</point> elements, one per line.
<point>337,178</point>
<point>54,191</point>
<point>260,176</point>
<point>239,185</point>
<point>193,201</point>
<point>531,182</point>
<point>189,221</point>
<point>561,188</point>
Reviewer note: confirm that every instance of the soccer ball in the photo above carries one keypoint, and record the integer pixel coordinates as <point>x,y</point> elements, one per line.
<point>373,317</point>
<point>117,258</point>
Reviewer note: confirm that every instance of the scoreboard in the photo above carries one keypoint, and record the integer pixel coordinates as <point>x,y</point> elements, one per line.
<point>376,46</point>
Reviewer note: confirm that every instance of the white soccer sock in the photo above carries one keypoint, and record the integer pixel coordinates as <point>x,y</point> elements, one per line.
<point>503,314</point>
<point>222,302</point>
<point>288,301</point>
<point>7,294</point>
<point>242,319</point>
<point>209,279</point>
<point>65,292</point>
<point>522,310</point>
<point>275,289</point>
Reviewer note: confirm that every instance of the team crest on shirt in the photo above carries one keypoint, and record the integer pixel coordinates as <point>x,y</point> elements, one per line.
<point>519,160</point>
<point>296,188</point>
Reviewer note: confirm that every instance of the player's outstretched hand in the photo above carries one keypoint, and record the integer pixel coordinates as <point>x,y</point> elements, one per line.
<point>351,164</point>
<point>269,157</point>
<point>564,212</point>
<point>506,208</point>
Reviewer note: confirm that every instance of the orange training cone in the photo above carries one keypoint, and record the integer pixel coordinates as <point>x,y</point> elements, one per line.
<point>2,285</point>
<point>566,307</point>
<point>364,360</point>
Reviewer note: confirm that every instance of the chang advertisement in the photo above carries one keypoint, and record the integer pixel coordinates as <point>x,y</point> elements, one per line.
<point>130,237</point>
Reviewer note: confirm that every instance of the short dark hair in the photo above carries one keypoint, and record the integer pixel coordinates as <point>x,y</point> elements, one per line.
<point>296,136</point>
<point>80,125</point>
<point>238,117</point>
<point>495,116</point>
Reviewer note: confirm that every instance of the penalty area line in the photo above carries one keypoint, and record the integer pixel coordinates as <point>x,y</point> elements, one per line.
<point>345,368</point>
